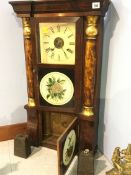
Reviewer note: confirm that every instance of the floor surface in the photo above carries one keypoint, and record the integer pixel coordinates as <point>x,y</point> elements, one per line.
<point>42,161</point>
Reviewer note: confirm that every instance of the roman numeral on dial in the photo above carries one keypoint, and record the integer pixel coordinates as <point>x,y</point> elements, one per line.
<point>58,28</point>
<point>46,42</point>
<point>46,35</point>
<point>70,51</point>
<point>65,30</point>
<point>47,50</point>
<point>58,57</point>
<point>70,36</point>
<point>52,30</point>
<point>52,55</point>
<point>71,43</point>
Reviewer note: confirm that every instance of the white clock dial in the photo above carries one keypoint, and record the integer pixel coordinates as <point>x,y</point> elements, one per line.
<point>69,147</point>
<point>57,43</point>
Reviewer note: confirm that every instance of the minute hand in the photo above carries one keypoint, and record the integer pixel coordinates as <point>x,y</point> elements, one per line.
<point>64,53</point>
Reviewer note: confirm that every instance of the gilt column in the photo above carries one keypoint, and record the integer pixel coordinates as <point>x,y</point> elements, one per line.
<point>32,114</point>
<point>28,60</point>
<point>91,33</point>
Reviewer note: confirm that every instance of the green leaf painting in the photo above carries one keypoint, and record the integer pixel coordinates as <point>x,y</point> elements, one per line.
<point>55,88</point>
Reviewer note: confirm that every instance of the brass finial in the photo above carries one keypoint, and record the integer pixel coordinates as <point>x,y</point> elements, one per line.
<point>26,26</point>
<point>91,30</point>
<point>31,102</point>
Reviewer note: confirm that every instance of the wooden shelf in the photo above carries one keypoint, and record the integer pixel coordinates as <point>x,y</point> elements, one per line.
<point>40,65</point>
<point>50,142</point>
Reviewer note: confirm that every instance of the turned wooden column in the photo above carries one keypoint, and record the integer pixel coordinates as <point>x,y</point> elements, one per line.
<point>28,60</point>
<point>90,66</point>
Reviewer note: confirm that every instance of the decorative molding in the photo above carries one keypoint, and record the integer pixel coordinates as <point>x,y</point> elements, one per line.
<point>10,131</point>
<point>27,8</point>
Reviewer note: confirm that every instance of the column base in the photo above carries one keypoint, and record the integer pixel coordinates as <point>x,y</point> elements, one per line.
<point>87,111</point>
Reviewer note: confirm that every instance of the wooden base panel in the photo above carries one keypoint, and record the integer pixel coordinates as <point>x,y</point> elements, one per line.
<point>51,142</point>
<point>10,131</point>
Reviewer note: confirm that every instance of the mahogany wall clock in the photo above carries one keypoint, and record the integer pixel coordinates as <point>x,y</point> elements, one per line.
<point>63,46</point>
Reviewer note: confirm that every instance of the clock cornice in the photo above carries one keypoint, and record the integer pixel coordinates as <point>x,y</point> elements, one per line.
<point>59,7</point>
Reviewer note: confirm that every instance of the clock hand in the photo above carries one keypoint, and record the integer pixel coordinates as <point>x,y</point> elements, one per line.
<point>64,53</point>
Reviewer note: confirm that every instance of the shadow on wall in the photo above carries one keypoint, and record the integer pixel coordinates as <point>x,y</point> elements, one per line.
<point>19,115</point>
<point>18,20</point>
<point>110,22</point>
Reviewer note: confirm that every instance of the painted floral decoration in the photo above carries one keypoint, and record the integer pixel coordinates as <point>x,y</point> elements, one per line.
<point>55,88</point>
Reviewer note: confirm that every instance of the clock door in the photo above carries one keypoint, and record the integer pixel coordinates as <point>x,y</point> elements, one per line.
<point>67,147</point>
<point>58,60</point>
<point>57,52</point>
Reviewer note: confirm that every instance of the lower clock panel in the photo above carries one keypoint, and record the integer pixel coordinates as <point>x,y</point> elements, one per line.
<point>50,142</point>
<point>53,124</point>
<point>54,130</point>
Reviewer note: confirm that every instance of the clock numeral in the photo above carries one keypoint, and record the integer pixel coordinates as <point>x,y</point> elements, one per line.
<point>71,43</point>
<point>58,28</point>
<point>46,42</point>
<point>65,30</point>
<point>70,51</point>
<point>52,30</point>
<point>58,57</point>
<point>52,55</point>
<point>47,50</point>
<point>46,35</point>
<point>70,35</point>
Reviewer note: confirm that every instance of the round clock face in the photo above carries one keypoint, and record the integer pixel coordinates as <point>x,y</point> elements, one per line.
<point>57,43</point>
<point>69,147</point>
<point>56,88</point>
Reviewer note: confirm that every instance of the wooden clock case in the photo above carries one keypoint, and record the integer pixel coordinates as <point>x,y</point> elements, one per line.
<point>48,125</point>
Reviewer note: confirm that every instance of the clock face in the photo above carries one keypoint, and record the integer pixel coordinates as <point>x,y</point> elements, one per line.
<point>57,43</point>
<point>69,147</point>
<point>56,88</point>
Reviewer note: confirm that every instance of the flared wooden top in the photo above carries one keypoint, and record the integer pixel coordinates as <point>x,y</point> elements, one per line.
<point>26,8</point>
